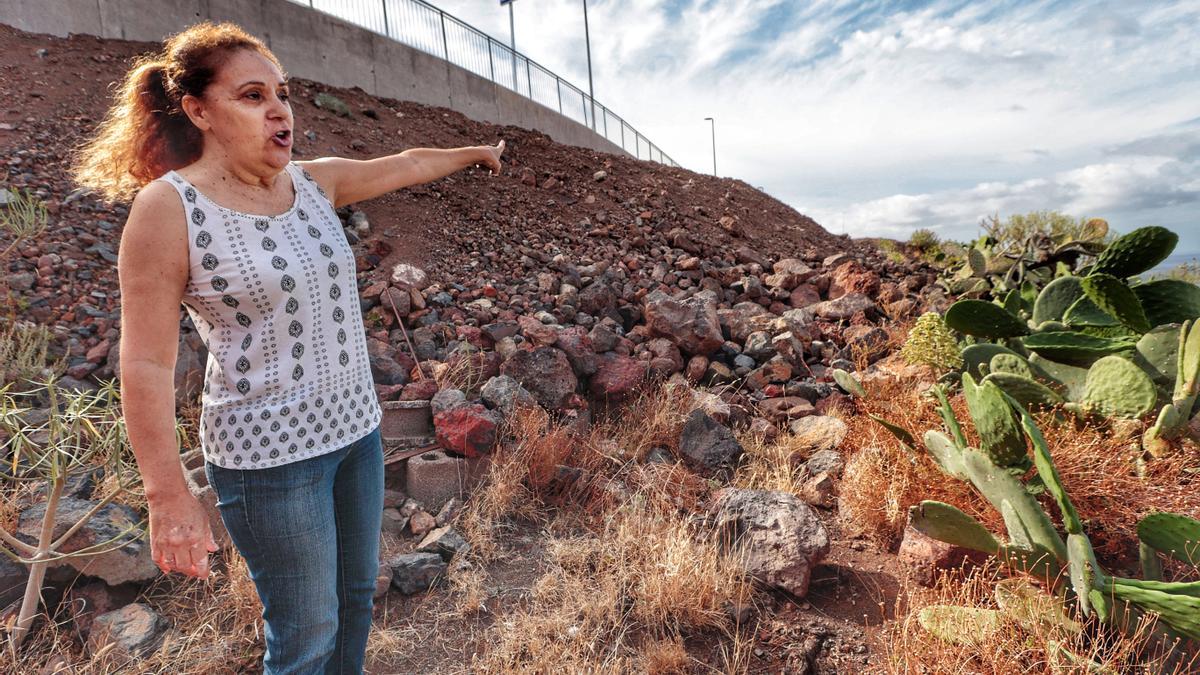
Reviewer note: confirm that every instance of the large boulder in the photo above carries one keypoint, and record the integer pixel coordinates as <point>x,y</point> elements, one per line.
<point>779,538</point>
<point>545,372</point>
<point>707,443</point>
<point>130,562</point>
<point>691,324</point>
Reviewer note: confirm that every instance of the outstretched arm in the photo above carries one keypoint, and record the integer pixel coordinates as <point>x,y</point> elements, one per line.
<point>350,180</point>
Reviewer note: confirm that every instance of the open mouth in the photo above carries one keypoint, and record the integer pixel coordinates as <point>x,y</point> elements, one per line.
<point>282,138</point>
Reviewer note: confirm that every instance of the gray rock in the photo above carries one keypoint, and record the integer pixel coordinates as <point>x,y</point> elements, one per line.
<point>819,432</point>
<point>134,631</point>
<point>12,580</point>
<point>843,308</point>
<point>416,572</point>
<point>444,541</point>
<point>779,537</point>
<point>826,460</point>
<point>707,443</point>
<point>506,394</point>
<point>447,399</point>
<point>545,372</point>
<point>130,562</point>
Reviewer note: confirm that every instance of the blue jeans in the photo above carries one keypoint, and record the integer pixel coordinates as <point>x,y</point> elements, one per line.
<point>309,531</point>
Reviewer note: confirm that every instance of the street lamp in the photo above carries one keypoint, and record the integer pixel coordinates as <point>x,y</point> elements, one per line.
<point>512,38</point>
<point>714,143</point>
<point>588,40</point>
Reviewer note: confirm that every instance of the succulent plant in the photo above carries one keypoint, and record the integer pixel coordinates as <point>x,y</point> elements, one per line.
<point>1034,544</point>
<point>1175,417</point>
<point>1136,252</point>
<point>931,343</point>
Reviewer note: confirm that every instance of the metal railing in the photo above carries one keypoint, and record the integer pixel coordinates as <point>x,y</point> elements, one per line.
<point>422,26</point>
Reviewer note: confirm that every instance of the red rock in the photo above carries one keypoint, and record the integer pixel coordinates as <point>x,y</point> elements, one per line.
<point>420,390</point>
<point>536,332</point>
<point>617,378</point>
<point>469,430</point>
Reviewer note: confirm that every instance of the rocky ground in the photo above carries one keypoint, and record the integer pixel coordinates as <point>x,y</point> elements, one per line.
<point>573,280</point>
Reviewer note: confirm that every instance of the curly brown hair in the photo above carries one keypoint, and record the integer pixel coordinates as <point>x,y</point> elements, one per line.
<point>145,132</point>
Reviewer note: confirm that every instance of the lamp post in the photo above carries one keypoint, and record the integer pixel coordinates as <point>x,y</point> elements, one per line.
<point>588,41</point>
<point>512,39</point>
<point>714,143</point>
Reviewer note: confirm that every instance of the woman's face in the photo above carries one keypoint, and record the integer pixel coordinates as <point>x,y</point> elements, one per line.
<point>246,112</point>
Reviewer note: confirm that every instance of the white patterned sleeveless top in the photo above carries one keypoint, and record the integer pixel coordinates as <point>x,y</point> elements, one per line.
<point>275,301</point>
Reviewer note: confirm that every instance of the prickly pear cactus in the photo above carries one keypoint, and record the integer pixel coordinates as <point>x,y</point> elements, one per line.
<point>1072,347</point>
<point>1000,436</point>
<point>984,319</point>
<point>1116,387</point>
<point>1054,300</point>
<point>1172,534</point>
<point>977,358</point>
<point>947,523</point>
<point>1116,299</point>
<point>1026,390</point>
<point>1136,252</point>
<point>1169,301</point>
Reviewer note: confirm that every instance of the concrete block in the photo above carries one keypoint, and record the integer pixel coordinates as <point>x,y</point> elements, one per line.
<point>405,420</point>
<point>434,477</point>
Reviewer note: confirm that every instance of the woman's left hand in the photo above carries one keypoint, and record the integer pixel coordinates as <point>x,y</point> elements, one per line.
<point>491,157</point>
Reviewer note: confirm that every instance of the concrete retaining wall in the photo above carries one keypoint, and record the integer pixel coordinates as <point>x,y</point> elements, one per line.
<point>311,45</point>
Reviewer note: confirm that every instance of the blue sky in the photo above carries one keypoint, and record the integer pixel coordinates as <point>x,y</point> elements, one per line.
<point>877,118</point>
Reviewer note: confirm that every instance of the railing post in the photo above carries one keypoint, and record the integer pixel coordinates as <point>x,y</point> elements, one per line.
<point>558,87</point>
<point>605,112</point>
<point>491,60</point>
<point>386,29</point>
<point>623,134</point>
<point>528,78</point>
<point>445,45</point>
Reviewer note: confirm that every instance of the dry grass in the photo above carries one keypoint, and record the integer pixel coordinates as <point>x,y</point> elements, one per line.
<point>1035,647</point>
<point>628,574</point>
<point>624,594</point>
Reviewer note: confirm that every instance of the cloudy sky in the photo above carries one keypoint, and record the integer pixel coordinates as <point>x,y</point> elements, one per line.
<point>879,117</point>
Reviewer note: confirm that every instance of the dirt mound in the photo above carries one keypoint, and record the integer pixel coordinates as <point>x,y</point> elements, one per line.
<point>57,89</point>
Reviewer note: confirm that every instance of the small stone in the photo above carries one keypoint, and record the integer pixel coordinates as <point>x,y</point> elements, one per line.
<point>444,541</point>
<point>420,523</point>
<point>134,631</point>
<point>416,572</point>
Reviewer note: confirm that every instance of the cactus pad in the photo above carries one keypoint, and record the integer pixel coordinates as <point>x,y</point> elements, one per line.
<point>1054,300</point>
<point>978,357</point>
<point>1114,297</point>
<point>1157,353</point>
<point>1025,390</point>
<point>1169,301</point>
<point>946,523</point>
<point>1084,312</point>
<point>1116,387</point>
<point>967,626</point>
<point>1072,347</point>
<point>848,383</point>
<point>1000,436</point>
<point>1136,252</point>
<point>1175,535</point>
<point>984,319</point>
<point>1010,363</point>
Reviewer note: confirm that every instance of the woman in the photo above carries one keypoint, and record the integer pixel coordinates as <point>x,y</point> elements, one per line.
<point>248,241</point>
